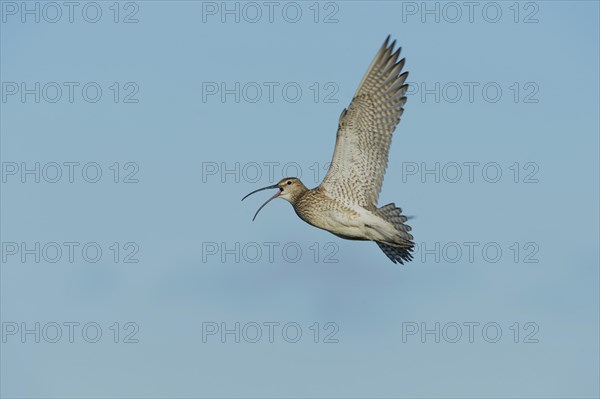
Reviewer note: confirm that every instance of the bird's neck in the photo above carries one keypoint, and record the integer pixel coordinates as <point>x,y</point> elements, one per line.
<point>298,195</point>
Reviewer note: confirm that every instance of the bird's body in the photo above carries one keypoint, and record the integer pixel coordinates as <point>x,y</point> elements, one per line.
<point>345,203</point>
<point>344,219</point>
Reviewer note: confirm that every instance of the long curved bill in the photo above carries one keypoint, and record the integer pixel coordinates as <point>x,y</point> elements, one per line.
<point>269,200</point>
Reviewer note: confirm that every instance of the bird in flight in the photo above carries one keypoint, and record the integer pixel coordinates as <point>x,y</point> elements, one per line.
<point>345,203</point>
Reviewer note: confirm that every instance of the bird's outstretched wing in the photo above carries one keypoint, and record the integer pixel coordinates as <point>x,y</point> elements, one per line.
<point>365,131</point>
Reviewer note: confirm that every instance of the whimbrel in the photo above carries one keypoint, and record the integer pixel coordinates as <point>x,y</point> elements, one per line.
<point>345,203</point>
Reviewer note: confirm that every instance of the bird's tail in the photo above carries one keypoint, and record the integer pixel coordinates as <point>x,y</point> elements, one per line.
<point>400,249</point>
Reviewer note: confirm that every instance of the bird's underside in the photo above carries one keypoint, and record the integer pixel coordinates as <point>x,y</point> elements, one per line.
<point>383,225</point>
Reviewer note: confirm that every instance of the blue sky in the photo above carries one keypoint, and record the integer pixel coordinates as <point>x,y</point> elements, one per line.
<point>142,131</point>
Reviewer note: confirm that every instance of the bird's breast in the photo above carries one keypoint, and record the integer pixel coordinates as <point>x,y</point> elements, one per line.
<point>324,212</point>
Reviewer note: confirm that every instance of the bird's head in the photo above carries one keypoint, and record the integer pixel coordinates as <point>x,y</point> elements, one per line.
<point>290,189</point>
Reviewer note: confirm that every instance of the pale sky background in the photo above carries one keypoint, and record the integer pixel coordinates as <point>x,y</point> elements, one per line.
<point>544,124</point>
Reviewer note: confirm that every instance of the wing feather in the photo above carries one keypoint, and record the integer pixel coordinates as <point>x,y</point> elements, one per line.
<point>365,130</point>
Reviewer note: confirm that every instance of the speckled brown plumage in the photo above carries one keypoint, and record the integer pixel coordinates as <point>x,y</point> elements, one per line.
<point>365,130</point>
<point>345,203</point>
<point>313,205</point>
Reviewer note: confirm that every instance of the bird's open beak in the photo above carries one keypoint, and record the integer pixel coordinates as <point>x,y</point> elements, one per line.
<point>269,200</point>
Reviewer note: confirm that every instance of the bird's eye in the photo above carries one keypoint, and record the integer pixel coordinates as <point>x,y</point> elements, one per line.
<point>289,182</point>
